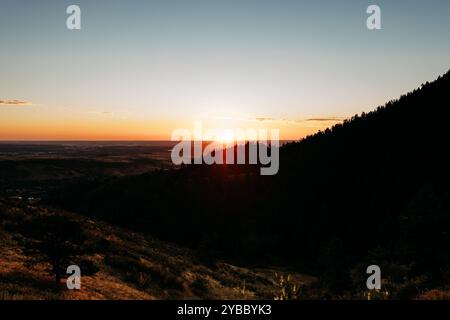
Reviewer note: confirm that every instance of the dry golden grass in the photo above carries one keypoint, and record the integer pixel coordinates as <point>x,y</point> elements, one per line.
<point>131,266</point>
<point>435,294</point>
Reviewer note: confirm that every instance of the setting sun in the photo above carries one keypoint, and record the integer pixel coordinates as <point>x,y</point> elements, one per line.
<point>225,136</point>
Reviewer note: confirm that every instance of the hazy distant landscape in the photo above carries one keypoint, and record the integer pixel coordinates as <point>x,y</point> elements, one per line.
<point>120,264</point>
<point>31,169</point>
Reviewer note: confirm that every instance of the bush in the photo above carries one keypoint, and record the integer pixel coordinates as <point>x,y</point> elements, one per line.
<point>55,240</point>
<point>286,289</point>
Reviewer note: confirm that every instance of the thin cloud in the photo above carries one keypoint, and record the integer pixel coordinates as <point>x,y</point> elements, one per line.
<point>101,112</point>
<point>326,119</point>
<point>310,120</point>
<point>318,119</point>
<point>265,119</point>
<point>4,102</point>
<point>285,120</point>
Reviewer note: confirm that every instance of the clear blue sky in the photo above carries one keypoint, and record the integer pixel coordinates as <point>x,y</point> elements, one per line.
<point>168,61</point>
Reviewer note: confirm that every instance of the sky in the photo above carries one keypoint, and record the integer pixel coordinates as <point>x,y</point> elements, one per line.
<point>137,70</point>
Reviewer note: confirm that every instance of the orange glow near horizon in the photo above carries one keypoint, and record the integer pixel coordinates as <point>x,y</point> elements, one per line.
<point>31,125</point>
<point>92,132</point>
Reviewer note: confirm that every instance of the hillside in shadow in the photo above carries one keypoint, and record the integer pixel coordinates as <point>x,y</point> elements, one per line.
<point>372,190</point>
<point>115,263</point>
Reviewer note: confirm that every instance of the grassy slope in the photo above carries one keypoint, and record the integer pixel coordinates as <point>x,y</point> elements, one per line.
<point>131,266</point>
